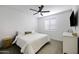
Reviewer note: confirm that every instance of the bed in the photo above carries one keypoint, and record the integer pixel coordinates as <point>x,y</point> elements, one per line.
<point>31,43</point>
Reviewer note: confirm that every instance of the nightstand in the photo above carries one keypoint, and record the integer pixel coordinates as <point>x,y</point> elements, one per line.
<point>70,43</point>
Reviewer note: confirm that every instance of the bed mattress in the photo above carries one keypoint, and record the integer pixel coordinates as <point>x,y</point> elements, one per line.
<point>31,43</point>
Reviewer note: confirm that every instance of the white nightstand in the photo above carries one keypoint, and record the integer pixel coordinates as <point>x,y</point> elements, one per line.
<point>70,44</point>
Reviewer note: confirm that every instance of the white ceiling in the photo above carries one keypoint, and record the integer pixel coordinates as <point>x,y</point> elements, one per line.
<point>52,8</point>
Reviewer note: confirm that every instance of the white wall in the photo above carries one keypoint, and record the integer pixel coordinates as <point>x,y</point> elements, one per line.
<point>12,20</point>
<point>62,24</point>
<point>19,18</point>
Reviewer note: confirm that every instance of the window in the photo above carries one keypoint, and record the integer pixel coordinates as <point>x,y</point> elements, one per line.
<point>50,24</point>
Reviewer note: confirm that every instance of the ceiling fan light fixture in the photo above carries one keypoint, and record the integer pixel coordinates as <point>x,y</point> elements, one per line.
<point>40,10</point>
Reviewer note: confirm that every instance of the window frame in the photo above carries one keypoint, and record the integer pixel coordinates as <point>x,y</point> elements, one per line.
<point>50,26</point>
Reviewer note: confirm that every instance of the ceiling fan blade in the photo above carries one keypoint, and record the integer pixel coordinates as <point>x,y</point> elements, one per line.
<point>44,11</point>
<point>40,8</point>
<point>34,10</point>
<point>35,13</point>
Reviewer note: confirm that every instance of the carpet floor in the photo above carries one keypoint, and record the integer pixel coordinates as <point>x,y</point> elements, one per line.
<point>53,47</point>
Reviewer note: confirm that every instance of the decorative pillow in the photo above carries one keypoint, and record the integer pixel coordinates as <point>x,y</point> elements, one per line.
<point>28,33</point>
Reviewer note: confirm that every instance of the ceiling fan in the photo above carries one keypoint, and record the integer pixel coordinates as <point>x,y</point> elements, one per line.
<point>40,10</point>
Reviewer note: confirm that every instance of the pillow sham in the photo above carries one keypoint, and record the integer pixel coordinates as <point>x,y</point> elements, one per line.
<point>15,36</point>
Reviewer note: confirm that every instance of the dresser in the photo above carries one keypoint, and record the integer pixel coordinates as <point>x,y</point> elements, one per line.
<point>70,44</point>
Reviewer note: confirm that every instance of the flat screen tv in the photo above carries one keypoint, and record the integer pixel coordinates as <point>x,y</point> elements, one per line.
<point>74,19</point>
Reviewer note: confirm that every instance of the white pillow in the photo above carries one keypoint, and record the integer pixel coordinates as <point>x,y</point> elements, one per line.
<point>18,35</point>
<point>16,38</point>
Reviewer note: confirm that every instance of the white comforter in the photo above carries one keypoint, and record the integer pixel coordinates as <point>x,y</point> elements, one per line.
<point>31,43</point>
